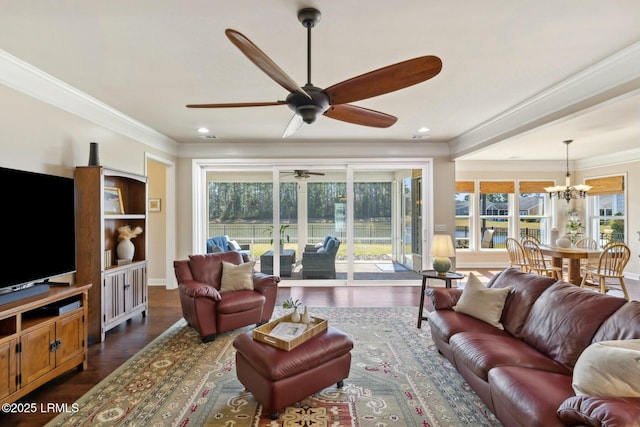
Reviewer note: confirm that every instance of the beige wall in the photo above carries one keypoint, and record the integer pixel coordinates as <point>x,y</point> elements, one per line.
<point>156,224</point>
<point>37,137</point>
<point>444,208</point>
<point>184,211</point>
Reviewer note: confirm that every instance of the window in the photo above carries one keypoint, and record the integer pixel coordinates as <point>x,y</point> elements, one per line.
<point>532,210</point>
<point>608,210</point>
<point>464,197</point>
<point>495,213</point>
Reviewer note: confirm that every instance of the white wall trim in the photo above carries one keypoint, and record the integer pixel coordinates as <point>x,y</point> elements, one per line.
<point>232,150</point>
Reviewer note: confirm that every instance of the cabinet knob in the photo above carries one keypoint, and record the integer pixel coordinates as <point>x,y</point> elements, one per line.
<point>54,345</point>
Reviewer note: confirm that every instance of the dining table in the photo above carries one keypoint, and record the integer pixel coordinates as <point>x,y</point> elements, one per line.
<point>573,255</point>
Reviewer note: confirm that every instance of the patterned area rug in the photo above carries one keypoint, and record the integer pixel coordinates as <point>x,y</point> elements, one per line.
<point>397,378</point>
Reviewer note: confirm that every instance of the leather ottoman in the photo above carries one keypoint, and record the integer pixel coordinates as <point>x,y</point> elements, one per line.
<point>279,378</point>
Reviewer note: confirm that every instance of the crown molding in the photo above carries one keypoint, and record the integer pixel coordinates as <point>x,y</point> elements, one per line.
<point>280,149</point>
<point>622,157</point>
<point>34,82</point>
<point>613,77</point>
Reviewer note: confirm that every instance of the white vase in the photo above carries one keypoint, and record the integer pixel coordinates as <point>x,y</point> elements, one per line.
<point>295,316</point>
<point>125,249</point>
<point>563,242</point>
<point>306,319</point>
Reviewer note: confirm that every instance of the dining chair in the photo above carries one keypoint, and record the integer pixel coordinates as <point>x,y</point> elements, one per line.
<point>517,257</point>
<point>587,243</point>
<point>530,237</point>
<point>537,242</point>
<point>537,262</point>
<point>611,265</point>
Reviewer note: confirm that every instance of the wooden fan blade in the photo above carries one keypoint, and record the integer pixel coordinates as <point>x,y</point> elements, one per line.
<point>360,116</point>
<point>385,80</point>
<point>262,61</point>
<point>237,104</point>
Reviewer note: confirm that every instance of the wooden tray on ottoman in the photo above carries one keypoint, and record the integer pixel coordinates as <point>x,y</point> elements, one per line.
<point>262,333</point>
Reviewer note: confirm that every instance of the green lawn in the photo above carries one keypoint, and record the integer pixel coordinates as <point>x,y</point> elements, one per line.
<point>360,249</point>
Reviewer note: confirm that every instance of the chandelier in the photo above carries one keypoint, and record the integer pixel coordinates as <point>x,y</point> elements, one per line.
<point>568,191</point>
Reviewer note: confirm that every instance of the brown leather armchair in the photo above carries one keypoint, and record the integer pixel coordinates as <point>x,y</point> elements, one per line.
<point>211,312</point>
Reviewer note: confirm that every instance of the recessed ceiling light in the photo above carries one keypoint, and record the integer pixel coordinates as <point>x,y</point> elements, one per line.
<point>423,130</point>
<point>203,130</point>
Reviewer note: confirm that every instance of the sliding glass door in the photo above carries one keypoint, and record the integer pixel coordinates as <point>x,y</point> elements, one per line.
<point>333,224</point>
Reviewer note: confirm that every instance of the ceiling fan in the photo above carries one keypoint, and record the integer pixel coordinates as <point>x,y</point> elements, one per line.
<point>309,101</point>
<point>303,173</point>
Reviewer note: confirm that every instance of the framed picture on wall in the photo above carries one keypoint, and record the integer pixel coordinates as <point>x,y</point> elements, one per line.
<point>154,205</point>
<point>113,201</point>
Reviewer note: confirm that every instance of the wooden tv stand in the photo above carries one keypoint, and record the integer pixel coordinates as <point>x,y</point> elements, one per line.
<point>42,337</point>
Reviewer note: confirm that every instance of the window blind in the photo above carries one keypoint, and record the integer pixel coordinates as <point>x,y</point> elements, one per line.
<point>608,185</point>
<point>535,186</point>
<point>465,186</point>
<point>497,187</point>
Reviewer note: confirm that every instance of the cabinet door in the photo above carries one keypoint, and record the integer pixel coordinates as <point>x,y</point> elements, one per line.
<point>7,368</point>
<point>113,294</point>
<point>136,287</point>
<point>69,332</point>
<point>37,356</point>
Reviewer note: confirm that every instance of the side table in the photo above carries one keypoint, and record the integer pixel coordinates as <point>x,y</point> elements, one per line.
<point>287,258</point>
<point>432,274</point>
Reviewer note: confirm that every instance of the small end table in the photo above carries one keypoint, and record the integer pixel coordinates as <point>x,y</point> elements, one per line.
<point>287,258</point>
<point>432,274</point>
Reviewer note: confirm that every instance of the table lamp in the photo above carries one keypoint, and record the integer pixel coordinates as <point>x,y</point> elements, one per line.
<point>441,250</point>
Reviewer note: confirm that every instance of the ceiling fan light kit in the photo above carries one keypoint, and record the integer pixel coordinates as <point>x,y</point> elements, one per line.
<point>308,102</point>
<point>307,108</point>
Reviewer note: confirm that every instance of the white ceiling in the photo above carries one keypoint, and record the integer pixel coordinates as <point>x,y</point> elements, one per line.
<point>504,64</point>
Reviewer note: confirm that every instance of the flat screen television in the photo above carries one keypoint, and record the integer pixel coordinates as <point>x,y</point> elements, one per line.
<point>38,216</point>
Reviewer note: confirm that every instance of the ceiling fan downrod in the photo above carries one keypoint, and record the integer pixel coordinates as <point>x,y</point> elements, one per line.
<point>309,109</point>
<point>309,17</point>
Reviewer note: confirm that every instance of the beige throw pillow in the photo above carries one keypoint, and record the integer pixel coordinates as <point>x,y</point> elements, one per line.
<point>609,369</point>
<point>236,277</point>
<point>483,303</point>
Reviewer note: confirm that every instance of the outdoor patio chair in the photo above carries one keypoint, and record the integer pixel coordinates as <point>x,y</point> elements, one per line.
<point>487,238</point>
<point>219,244</point>
<point>320,263</point>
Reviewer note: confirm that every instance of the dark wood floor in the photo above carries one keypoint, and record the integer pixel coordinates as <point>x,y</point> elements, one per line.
<point>127,339</point>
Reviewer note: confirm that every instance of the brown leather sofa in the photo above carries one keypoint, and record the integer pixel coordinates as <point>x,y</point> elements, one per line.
<point>524,372</point>
<point>211,312</point>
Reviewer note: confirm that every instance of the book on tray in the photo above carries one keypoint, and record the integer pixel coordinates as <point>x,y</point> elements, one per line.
<point>288,330</point>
